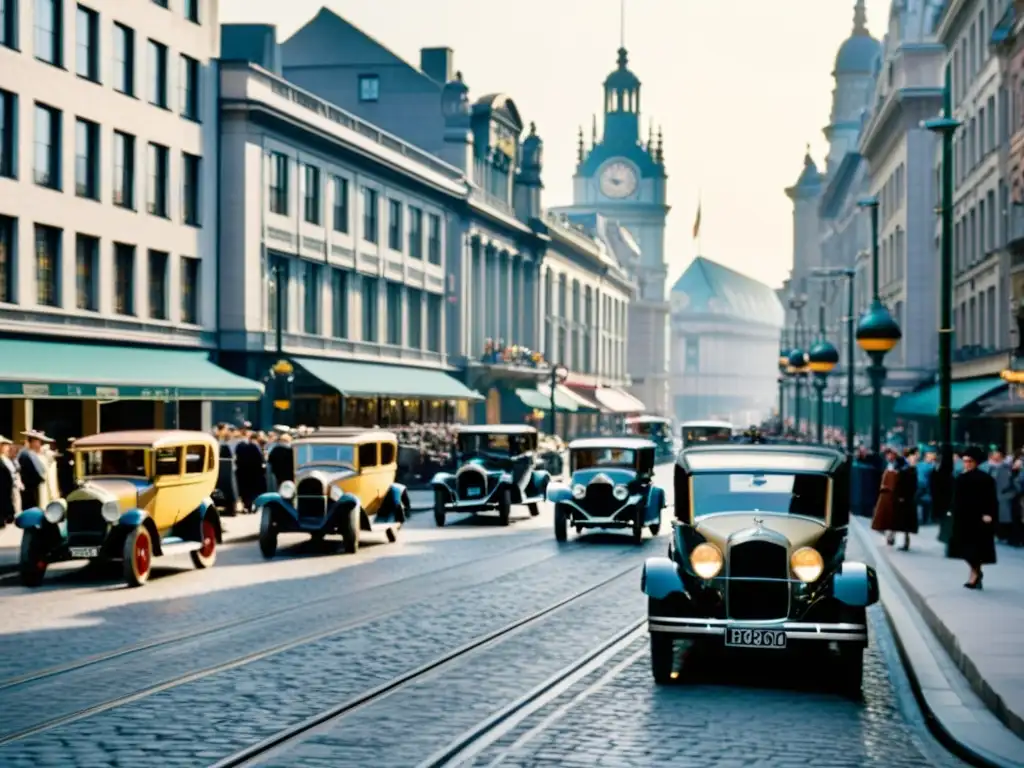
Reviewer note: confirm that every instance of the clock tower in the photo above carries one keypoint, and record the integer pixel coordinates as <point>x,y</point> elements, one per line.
<point>623,179</point>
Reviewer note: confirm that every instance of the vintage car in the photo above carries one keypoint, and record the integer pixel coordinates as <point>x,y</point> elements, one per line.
<point>758,557</point>
<point>496,469</point>
<point>140,494</point>
<point>658,430</point>
<point>611,487</point>
<point>344,483</point>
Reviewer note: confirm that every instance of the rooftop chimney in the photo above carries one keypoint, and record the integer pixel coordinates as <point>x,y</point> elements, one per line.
<point>437,64</point>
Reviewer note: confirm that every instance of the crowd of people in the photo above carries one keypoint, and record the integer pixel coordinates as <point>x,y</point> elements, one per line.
<point>31,476</point>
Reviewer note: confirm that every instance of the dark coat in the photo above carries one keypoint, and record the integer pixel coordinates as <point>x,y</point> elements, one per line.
<point>226,483</point>
<point>32,477</point>
<point>249,471</point>
<point>972,539</point>
<point>896,508</point>
<point>10,499</point>
<point>282,462</point>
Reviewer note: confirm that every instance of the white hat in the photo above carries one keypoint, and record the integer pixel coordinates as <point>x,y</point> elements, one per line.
<point>5,441</point>
<point>35,434</point>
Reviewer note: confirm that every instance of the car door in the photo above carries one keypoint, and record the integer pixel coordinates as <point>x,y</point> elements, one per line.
<point>192,485</point>
<point>388,467</point>
<point>369,476</point>
<point>167,479</point>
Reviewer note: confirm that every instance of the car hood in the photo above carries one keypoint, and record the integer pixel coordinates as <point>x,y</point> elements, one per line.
<point>326,475</point>
<point>722,527</point>
<point>127,492</point>
<point>618,476</point>
<point>480,465</point>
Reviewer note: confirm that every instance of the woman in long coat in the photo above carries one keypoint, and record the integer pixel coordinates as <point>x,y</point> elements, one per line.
<point>896,508</point>
<point>975,507</point>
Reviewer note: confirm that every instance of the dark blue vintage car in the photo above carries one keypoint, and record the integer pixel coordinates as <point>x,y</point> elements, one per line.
<point>611,487</point>
<point>758,558</point>
<point>496,469</point>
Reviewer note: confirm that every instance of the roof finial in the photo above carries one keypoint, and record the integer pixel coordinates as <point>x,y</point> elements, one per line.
<point>650,135</point>
<point>533,128</point>
<point>659,153</point>
<point>807,155</point>
<point>593,131</point>
<point>860,19</point>
<point>579,147</point>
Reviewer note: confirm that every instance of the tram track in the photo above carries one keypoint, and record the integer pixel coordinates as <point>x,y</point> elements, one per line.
<point>254,754</point>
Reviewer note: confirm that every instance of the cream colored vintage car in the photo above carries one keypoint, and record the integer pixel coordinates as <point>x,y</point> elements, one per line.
<point>140,494</point>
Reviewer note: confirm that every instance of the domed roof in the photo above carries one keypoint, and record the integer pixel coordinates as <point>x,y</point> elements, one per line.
<point>859,54</point>
<point>622,78</point>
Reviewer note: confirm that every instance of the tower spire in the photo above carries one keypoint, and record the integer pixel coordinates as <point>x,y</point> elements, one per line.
<point>579,147</point>
<point>593,131</point>
<point>622,24</point>
<point>860,19</point>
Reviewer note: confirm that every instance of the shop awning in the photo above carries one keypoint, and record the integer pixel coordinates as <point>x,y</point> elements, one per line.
<point>618,401</point>
<point>541,401</point>
<point>925,402</point>
<point>584,397</point>
<point>562,391</point>
<point>353,379</point>
<point>49,369</point>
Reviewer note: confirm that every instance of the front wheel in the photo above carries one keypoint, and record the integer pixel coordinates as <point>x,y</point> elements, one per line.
<point>561,524</point>
<point>32,559</point>
<point>138,557</point>
<point>851,670</point>
<point>439,512</point>
<point>662,649</point>
<point>268,534</point>
<point>534,509</point>
<point>206,555</point>
<point>505,506</point>
<point>350,530</point>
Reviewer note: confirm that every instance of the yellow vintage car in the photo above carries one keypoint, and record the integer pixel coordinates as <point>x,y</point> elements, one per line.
<point>344,484</point>
<point>140,494</point>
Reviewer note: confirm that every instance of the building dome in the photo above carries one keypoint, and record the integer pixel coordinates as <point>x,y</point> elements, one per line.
<point>533,150</point>
<point>860,53</point>
<point>622,78</point>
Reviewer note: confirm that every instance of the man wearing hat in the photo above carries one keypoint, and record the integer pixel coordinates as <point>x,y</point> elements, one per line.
<point>999,470</point>
<point>33,466</point>
<point>10,484</point>
<point>249,468</point>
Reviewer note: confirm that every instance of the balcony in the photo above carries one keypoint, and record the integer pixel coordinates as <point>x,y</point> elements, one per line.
<point>973,360</point>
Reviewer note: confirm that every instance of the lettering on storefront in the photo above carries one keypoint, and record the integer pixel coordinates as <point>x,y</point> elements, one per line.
<point>75,391</point>
<point>107,392</point>
<point>35,390</point>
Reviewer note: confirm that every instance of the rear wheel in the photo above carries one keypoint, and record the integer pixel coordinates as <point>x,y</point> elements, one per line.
<point>268,534</point>
<point>662,650</point>
<point>349,530</point>
<point>440,497</point>
<point>138,557</point>
<point>32,561</point>
<point>206,555</point>
<point>561,523</point>
<point>504,506</point>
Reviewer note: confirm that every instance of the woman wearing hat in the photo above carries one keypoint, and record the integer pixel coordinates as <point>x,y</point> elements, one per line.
<point>10,484</point>
<point>975,507</point>
<point>896,508</point>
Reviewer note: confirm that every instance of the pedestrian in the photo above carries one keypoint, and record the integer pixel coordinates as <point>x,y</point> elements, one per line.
<point>34,468</point>
<point>1000,471</point>
<point>10,484</point>
<point>925,469</point>
<point>975,506</point>
<point>896,507</point>
<point>281,458</point>
<point>249,468</point>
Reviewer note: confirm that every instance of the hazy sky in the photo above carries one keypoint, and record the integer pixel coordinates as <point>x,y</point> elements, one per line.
<point>739,86</point>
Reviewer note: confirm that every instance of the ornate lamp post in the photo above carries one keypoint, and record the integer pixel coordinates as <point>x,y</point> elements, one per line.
<point>797,367</point>
<point>877,332</point>
<point>822,358</point>
<point>783,368</point>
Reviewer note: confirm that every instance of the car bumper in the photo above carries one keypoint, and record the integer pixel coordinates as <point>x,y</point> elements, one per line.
<point>795,630</point>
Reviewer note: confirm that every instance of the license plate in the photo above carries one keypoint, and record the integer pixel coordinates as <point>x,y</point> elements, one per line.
<point>471,492</point>
<point>85,551</point>
<point>748,637</point>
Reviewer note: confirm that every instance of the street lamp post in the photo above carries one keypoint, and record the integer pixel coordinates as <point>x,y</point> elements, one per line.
<point>559,373</point>
<point>797,357</point>
<point>822,358</point>
<point>783,366</point>
<point>877,332</point>
<point>851,423</point>
<point>945,126</point>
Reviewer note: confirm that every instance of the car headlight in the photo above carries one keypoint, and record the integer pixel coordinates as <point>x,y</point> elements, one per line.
<point>111,511</point>
<point>287,490</point>
<point>335,493</point>
<point>55,511</point>
<point>621,492</point>
<point>807,564</point>
<point>706,560</point>
<point>579,491</point>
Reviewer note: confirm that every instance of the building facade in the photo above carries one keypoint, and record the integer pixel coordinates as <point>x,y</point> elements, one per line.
<point>108,230</point>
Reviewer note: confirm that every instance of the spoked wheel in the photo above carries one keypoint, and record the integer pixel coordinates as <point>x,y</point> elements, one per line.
<point>138,557</point>
<point>561,524</point>
<point>268,534</point>
<point>350,530</point>
<point>662,651</point>
<point>505,507</point>
<point>32,561</point>
<point>439,512</point>
<point>206,555</point>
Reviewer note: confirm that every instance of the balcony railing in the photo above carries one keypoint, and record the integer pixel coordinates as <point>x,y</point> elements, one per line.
<point>480,196</point>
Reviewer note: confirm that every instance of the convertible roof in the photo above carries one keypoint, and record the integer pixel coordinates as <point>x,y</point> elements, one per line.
<point>762,458</point>
<point>626,443</point>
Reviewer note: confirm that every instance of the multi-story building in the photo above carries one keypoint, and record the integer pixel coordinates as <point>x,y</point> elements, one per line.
<point>108,226</point>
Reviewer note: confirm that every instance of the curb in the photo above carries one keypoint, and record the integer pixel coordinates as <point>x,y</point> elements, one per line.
<point>931,686</point>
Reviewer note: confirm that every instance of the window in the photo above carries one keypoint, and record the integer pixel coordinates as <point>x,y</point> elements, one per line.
<point>311,194</point>
<point>157,74</point>
<point>156,198</point>
<point>369,309</point>
<point>369,215</point>
<point>49,34</point>
<point>414,298</point>
<point>339,293</point>
<point>8,131</point>
<point>87,159</point>
<point>369,88</point>
<point>415,232</point>
<point>311,298</point>
<point>87,255</point>
<point>278,183</point>
<point>394,225</point>
<point>158,261</point>
<point>47,266</point>
<point>8,258</point>
<point>367,455</point>
<point>124,170</point>
<point>87,44</point>
<point>192,10</point>
<point>394,314</point>
<point>189,88</point>
<point>189,290</point>
<point>190,185</point>
<point>47,147</point>
<point>195,459</point>
<point>9,23</point>
<point>773,493</point>
<point>434,322</point>
<point>124,279</point>
<point>387,454</point>
<point>340,222</point>
<point>434,239</point>
<point>161,3</point>
<point>278,291</point>
<point>167,461</point>
<point>124,59</point>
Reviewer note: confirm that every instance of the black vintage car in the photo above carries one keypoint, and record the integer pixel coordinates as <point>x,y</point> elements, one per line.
<point>611,487</point>
<point>758,557</point>
<point>496,469</point>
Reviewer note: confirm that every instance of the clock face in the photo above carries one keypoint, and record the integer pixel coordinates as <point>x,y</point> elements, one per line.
<point>618,179</point>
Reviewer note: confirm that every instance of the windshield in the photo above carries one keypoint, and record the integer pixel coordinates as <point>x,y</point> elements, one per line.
<point>478,443</point>
<point>589,458</point>
<point>311,453</point>
<point>797,494</point>
<point>123,462</point>
<point>660,430</point>
<point>693,435</point>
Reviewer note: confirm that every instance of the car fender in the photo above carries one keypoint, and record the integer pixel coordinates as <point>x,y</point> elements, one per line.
<point>541,480</point>
<point>128,522</point>
<point>344,505</point>
<point>208,510</point>
<point>31,518</point>
<point>505,478</point>
<point>855,584</point>
<point>660,578</point>
<point>443,481</point>
<point>278,506</point>
<point>559,492</point>
<point>395,498</point>
<point>655,503</point>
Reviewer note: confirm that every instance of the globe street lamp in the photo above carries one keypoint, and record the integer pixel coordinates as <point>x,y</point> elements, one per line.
<point>822,358</point>
<point>783,367</point>
<point>797,367</point>
<point>877,332</point>
<point>850,276</point>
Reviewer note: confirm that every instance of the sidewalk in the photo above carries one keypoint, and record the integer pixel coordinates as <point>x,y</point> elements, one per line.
<point>982,632</point>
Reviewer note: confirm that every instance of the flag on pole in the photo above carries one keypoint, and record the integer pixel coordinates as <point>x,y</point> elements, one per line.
<point>696,223</point>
